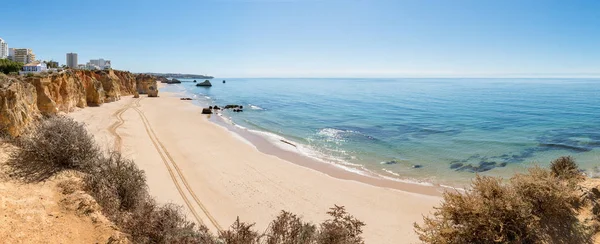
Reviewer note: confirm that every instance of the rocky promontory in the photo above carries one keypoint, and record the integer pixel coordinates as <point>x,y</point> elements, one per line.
<point>25,99</point>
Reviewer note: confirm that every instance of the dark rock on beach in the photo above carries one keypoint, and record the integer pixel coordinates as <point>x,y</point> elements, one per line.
<point>216,107</point>
<point>185,98</point>
<point>390,162</point>
<point>232,106</point>
<point>206,111</point>
<point>417,166</point>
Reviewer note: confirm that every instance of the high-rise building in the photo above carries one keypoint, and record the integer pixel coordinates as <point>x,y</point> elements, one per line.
<point>23,55</point>
<point>72,60</point>
<point>3,49</point>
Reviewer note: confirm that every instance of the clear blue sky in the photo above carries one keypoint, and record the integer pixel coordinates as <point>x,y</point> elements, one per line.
<point>310,38</point>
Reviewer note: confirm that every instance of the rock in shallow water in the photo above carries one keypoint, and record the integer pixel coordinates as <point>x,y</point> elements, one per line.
<point>206,111</point>
<point>204,83</point>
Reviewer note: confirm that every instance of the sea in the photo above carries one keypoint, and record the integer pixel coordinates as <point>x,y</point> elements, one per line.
<point>438,131</point>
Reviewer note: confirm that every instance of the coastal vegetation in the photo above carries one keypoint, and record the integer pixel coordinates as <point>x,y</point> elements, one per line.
<point>59,144</point>
<point>540,206</point>
<point>8,66</point>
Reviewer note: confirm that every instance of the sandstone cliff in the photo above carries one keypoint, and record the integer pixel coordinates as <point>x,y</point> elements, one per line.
<point>24,99</point>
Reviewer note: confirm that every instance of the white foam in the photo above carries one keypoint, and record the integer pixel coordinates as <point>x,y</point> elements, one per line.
<point>391,172</point>
<point>254,107</point>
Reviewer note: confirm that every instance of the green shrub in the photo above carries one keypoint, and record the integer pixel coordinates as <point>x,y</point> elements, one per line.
<point>55,144</point>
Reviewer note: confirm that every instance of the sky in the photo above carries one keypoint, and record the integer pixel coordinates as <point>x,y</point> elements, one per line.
<point>312,38</point>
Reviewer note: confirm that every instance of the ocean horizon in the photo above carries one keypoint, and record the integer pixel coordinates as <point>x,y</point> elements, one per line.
<point>433,130</point>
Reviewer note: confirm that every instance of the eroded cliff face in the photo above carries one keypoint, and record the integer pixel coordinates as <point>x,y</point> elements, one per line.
<point>23,100</point>
<point>18,106</point>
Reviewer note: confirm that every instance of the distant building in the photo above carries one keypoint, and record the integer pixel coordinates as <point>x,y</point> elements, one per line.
<point>23,55</point>
<point>3,49</point>
<point>90,66</point>
<point>34,67</point>
<point>99,64</point>
<point>72,60</point>
<point>11,54</point>
<point>80,66</point>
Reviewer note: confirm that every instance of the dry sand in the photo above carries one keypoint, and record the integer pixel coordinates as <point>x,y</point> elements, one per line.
<point>44,212</point>
<point>198,164</point>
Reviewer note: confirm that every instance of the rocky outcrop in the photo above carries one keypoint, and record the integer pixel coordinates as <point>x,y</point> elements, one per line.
<point>18,106</point>
<point>144,82</point>
<point>24,99</point>
<point>204,83</point>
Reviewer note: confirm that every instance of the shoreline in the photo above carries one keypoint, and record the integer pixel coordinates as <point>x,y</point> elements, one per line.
<point>229,178</point>
<point>264,145</point>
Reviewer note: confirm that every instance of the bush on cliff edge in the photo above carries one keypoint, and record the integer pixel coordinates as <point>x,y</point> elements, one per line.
<point>537,207</point>
<point>55,144</point>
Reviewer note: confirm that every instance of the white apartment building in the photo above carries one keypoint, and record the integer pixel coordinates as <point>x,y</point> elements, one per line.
<point>99,64</point>
<point>3,49</point>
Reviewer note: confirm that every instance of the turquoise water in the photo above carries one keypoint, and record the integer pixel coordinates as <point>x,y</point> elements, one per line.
<point>435,130</point>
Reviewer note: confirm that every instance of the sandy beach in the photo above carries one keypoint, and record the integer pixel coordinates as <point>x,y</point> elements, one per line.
<point>217,176</point>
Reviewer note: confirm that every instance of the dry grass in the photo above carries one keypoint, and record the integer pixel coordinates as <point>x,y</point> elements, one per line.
<point>288,228</point>
<point>565,168</point>
<point>537,207</point>
<point>116,183</point>
<point>55,144</point>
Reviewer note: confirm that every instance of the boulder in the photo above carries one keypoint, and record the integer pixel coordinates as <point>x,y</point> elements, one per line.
<point>152,92</point>
<point>162,79</point>
<point>144,82</point>
<point>231,106</point>
<point>194,81</point>
<point>204,83</point>
<point>223,81</point>
<point>136,95</point>
<point>216,107</point>
<point>173,81</point>
<point>206,111</point>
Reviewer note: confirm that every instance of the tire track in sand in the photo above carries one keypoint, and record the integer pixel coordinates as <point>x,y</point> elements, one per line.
<point>152,134</point>
<point>160,148</point>
<point>118,142</point>
<point>112,129</point>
